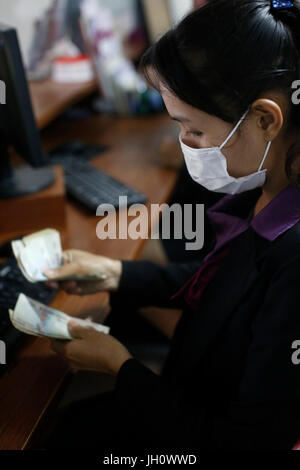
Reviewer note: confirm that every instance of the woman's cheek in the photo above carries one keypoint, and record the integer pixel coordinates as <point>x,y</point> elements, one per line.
<point>238,163</point>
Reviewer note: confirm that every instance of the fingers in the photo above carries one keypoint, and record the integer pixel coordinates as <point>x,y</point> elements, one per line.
<point>76,331</point>
<point>67,256</point>
<point>59,346</point>
<point>74,366</point>
<point>64,271</point>
<point>52,284</point>
<point>71,287</point>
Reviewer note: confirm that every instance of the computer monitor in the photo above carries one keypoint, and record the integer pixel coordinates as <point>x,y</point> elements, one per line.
<point>17,125</point>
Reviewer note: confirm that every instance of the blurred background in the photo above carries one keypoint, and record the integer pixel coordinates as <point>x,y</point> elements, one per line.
<point>104,38</point>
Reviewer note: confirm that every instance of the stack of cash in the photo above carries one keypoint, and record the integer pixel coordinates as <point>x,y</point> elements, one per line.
<point>34,318</point>
<point>38,252</point>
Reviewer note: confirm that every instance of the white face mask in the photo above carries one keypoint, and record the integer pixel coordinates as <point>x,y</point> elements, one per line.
<point>208,167</point>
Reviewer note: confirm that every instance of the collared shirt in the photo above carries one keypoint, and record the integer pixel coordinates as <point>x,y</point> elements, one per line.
<point>233,215</point>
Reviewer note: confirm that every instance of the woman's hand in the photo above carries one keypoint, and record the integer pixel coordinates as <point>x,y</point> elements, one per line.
<point>91,350</point>
<point>85,273</point>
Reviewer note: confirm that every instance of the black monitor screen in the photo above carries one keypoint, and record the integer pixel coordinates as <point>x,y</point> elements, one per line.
<point>17,124</point>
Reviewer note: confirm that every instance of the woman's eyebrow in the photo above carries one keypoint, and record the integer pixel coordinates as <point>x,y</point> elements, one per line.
<point>180,119</point>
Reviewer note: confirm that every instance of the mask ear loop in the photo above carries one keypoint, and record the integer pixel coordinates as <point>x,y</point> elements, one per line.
<point>265,155</point>
<point>234,129</point>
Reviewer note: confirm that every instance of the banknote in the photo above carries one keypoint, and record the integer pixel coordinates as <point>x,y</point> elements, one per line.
<point>34,318</point>
<point>37,252</point>
<point>40,251</point>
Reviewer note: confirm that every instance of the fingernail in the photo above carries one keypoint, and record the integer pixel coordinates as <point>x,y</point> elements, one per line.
<point>72,324</point>
<point>49,273</point>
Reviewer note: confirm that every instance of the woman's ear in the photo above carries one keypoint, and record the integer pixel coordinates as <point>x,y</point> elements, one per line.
<point>269,117</point>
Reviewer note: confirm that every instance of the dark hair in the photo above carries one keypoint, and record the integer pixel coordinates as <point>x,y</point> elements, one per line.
<point>223,56</point>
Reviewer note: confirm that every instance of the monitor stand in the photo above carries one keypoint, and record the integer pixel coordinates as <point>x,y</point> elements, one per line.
<point>22,180</point>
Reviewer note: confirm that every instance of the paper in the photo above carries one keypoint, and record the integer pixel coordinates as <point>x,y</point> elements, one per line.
<point>34,318</point>
<point>41,251</point>
<point>38,252</point>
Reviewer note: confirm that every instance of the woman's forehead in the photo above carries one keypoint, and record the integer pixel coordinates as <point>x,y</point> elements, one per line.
<point>184,112</point>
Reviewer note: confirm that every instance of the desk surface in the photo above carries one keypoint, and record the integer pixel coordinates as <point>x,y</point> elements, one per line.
<point>31,383</point>
<point>49,99</point>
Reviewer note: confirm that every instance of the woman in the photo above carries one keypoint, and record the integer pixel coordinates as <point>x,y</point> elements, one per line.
<point>225,74</point>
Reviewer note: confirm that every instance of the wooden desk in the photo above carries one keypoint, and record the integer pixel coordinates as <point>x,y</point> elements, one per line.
<point>30,385</point>
<point>49,99</point>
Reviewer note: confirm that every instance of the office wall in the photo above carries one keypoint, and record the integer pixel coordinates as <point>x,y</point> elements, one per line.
<point>124,12</point>
<point>21,14</point>
<point>119,6</point>
<point>180,8</point>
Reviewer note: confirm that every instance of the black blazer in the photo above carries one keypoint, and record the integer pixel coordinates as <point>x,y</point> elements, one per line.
<point>229,381</point>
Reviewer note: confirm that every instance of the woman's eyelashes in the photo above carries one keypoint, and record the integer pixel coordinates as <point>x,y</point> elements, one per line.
<point>194,133</point>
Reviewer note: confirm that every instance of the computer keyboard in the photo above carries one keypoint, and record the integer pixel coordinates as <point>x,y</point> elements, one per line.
<point>93,187</point>
<point>12,283</point>
<point>78,148</point>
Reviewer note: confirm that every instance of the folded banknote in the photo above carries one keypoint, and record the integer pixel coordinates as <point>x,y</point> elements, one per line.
<point>37,319</point>
<point>40,251</point>
<point>37,252</point>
